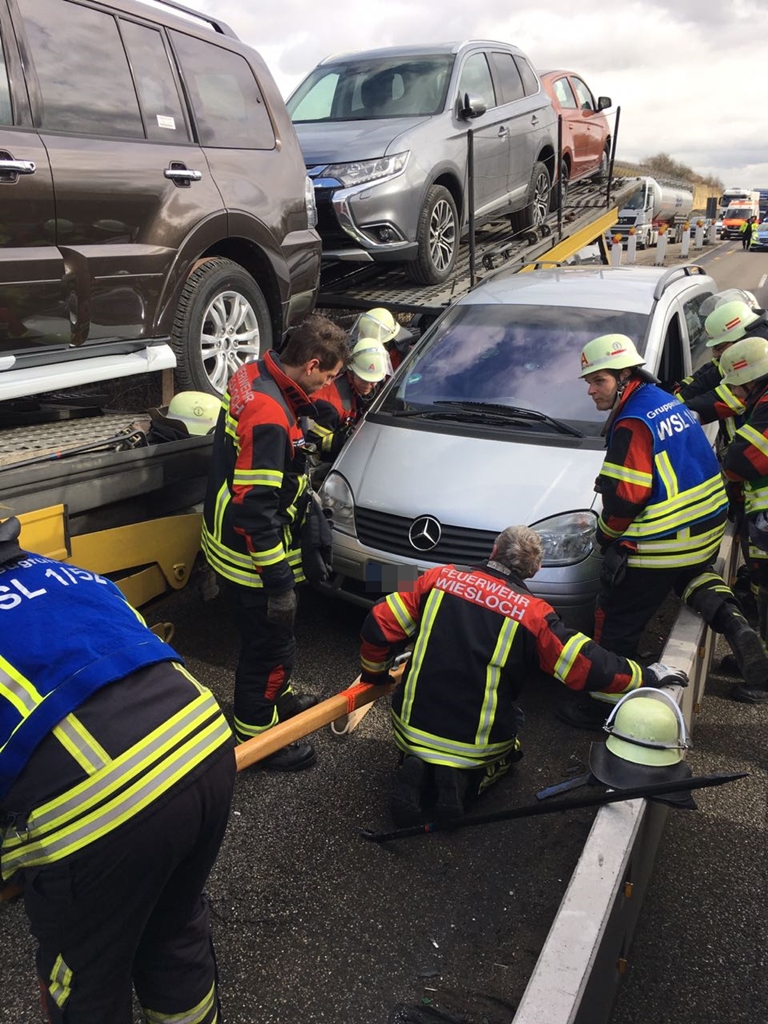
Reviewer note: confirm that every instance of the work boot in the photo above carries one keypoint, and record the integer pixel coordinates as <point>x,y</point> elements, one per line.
<point>410,786</point>
<point>749,653</point>
<point>584,713</point>
<point>290,704</point>
<point>293,758</point>
<point>729,666</point>
<point>452,784</point>
<point>749,695</point>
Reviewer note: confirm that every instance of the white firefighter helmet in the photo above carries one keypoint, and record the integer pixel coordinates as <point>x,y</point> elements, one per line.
<point>729,322</point>
<point>370,361</point>
<point>745,361</point>
<point>609,352</point>
<point>195,412</point>
<point>646,743</point>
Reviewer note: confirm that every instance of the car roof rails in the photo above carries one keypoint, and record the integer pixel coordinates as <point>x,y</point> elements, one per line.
<point>198,16</point>
<point>673,274</point>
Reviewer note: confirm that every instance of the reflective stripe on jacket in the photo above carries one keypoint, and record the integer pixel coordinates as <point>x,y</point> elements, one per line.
<point>478,635</point>
<point>746,460</point>
<point>682,517</point>
<point>256,498</point>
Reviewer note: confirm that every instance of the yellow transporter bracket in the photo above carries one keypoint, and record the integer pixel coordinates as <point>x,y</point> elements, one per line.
<point>571,245</point>
<point>145,559</point>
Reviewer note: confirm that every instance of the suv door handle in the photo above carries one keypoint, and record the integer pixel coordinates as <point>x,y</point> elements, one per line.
<point>503,132</point>
<point>534,120</point>
<point>13,168</point>
<point>182,176</point>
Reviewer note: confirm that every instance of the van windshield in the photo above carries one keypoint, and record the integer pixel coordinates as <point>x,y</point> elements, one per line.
<point>520,356</point>
<point>362,90</point>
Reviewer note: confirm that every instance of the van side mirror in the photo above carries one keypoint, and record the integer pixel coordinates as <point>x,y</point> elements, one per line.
<point>603,102</point>
<point>471,107</point>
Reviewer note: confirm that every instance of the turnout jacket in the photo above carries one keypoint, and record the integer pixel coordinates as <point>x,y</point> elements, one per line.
<point>338,407</point>
<point>479,634</point>
<point>662,492</point>
<point>746,461</point>
<point>257,486</point>
<point>705,394</point>
<point>85,743</point>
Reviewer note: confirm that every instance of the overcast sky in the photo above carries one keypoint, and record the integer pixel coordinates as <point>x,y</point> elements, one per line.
<point>690,75</point>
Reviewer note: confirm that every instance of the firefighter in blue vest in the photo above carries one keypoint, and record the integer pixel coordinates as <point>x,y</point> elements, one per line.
<point>663,517</point>
<point>478,634</point>
<point>116,776</point>
<point>255,508</point>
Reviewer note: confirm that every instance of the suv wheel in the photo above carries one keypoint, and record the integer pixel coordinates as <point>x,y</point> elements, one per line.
<point>222,321</point>
<point>536,208</point>
<point>560,188</point>
<point>438,238</point>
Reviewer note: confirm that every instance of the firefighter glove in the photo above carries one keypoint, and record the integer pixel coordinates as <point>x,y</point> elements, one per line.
<point>660,675</point>
<point>281,609</point>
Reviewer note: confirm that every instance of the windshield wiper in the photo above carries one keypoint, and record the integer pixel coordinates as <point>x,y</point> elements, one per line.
<point>515,412</point>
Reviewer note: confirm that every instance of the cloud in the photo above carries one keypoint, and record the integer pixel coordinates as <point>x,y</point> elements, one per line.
<point>681,90</point>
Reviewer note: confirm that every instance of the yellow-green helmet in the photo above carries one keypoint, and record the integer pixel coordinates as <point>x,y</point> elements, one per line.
<point>745,361</point>
<point>370,361</point>
<point>729,322</point>
<point>376,325</point>
<point>195,412</point>
<point>646,743</point>
<point>609,352</point>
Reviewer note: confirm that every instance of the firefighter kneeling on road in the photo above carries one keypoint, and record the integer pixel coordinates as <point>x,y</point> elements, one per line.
<point>116,776</point>
<point>663,517</point>
<point>478,634</point>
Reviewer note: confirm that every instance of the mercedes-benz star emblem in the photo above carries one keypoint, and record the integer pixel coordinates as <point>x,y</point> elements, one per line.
<point>425,533</point>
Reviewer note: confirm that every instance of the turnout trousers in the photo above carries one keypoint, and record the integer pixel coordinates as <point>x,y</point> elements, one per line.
<point>623,611</point>
<point>130,909</point>
<point>263,693</point>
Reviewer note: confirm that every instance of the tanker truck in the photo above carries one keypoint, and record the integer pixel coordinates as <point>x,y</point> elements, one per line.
<point>649,207</point>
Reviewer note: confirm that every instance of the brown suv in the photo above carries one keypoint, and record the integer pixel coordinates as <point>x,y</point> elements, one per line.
<point>154,205</point>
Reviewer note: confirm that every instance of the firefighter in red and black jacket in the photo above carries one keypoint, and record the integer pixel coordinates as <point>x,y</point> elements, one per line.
<point>254,510</point>
<point>745,366</point>
<point>478,634</point>
<point>341,403</point>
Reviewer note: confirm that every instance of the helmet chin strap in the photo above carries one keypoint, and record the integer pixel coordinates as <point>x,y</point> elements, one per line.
<point>621,386</point>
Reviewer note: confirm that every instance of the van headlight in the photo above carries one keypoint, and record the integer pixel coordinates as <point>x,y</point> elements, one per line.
<point>336,496</point>
<point>366,170</point>
<point>567,538</point>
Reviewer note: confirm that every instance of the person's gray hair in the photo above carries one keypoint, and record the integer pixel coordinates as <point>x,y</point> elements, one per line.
<point>519,548</point>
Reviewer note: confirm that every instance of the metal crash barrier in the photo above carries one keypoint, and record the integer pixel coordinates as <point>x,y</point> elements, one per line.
<point>579,969</point>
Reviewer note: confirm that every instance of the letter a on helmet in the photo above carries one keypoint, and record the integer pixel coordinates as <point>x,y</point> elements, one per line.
<point>609,352</point>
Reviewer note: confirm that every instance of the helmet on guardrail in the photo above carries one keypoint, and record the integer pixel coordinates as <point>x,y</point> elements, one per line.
<point>745,361</point>
<point>646,744</point>
<point>190,412</point>
<point>729,322</point>
<point>609,352</point>
<point>370,361</point>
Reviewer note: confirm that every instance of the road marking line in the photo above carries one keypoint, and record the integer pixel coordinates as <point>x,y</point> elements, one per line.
<point>762,281</point>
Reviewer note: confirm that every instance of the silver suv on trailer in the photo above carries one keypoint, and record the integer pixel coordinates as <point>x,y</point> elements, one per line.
<point>384,136</point>
<point>486,424</point>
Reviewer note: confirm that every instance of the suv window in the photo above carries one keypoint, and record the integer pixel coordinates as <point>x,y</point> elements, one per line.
<point>508,77</point>
<point>476,80</point>
<point>317,103</point>
<point>226,99</point>
<point>586,100</point>
<point>564,94</point>
<point>82,69</point>
<point>158,94</point>
<point>6,113</point>
<point>530,81</point>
